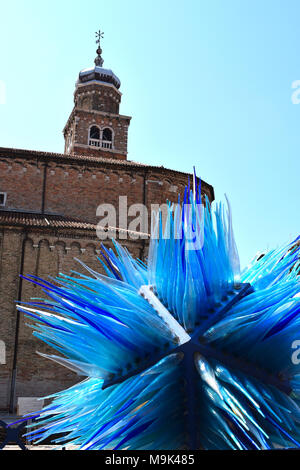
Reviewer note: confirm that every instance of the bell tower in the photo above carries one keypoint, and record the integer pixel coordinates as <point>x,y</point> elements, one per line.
<point>95,127</point>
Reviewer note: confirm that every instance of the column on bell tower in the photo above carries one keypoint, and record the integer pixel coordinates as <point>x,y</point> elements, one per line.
<point>95,126</point>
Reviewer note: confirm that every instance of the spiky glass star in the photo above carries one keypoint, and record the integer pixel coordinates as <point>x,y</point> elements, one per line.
<point>182,353</point>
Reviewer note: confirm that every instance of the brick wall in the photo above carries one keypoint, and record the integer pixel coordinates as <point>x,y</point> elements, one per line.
<point>119,125</point>
<point>23,183</point>
<point>10,256</point>
<point>98,97</point>
<point>76,188</point>
<point>46,254</point>
<point>96,104</point>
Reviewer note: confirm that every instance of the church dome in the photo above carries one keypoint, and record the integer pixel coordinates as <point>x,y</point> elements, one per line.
<point>99,73</point>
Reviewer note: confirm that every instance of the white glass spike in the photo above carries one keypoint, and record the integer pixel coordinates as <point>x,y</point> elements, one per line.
<point>176,329</point>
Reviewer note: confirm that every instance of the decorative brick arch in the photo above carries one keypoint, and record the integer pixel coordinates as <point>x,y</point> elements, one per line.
<point>112,133</point>
<point>93,124</point>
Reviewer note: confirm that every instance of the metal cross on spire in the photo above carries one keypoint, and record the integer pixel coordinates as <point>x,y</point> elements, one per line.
<point>99,35</point>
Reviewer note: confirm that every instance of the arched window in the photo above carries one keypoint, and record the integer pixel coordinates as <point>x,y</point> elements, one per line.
<point>94,136</point>
<point>107,138</point>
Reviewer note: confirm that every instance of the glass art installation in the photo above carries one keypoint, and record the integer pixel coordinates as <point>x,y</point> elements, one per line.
<point>183,352</point>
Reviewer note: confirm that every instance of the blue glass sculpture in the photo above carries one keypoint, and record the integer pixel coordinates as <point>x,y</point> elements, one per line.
<point>185,352</point>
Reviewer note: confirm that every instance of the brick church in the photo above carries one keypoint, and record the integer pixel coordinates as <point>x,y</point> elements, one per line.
<point>48,205</point>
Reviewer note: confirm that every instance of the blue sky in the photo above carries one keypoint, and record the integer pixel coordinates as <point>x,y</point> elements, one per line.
<point>208,83</point>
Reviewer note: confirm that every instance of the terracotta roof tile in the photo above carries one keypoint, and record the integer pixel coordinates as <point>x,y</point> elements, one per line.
<point>42,220</point>
<point>32,219</point>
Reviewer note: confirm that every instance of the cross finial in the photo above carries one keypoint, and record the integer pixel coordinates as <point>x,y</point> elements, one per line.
<point>99,35</point>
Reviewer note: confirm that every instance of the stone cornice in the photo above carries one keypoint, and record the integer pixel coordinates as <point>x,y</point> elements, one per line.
<point>96,82</point>
<point>84,146</point>
<point>100,113</point>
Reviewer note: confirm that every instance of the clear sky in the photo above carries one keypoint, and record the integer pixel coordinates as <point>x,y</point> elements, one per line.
<point>208,83</point>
